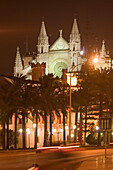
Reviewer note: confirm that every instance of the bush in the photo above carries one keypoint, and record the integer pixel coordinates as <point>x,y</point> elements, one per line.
<point>92,139</point>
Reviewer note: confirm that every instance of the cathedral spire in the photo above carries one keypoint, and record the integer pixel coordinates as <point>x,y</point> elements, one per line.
<point>43,44</point>
<point>74,36</point>
<point>103,48</point>
<point>75,46</point>
<point>75,28</point>
<point>103,52</point>
<point>18,67</point>
<point>43,30</point>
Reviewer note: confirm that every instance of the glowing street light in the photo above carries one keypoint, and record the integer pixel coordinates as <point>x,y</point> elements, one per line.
<point>61,130</point>
<point>74,127</point>
<point>54,130</point>
<point>71,79</point>
<point>95,60</point>
<point>20,130</point>
<point>72,135</point>
<point>81,52</point>
<point>97,128</point>
<point>66,127</point>
<point>34,125</point>
<point>28,131</point>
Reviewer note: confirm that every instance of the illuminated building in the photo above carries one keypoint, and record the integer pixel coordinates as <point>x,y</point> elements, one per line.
<point>57,57</point>
<point>60,55</point>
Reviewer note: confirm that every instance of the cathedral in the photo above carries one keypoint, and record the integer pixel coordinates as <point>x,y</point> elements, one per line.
<point>54,59</point>
<point>60,55</point>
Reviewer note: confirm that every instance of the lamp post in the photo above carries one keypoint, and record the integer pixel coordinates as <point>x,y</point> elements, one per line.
<point>72,82</point>
<point>70,112</point>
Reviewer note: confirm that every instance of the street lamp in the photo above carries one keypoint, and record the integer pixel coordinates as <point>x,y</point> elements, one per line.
<point>74,127</point>
<point>95,60</point>
<point>34,125</point>
<point>97,127</point>
<point>72,81</point>
<point>20,130</point>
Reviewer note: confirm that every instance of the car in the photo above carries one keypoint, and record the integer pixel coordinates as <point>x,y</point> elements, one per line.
<point>34,167</point>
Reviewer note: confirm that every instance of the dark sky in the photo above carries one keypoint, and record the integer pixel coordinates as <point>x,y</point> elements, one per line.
<point>20,20</point>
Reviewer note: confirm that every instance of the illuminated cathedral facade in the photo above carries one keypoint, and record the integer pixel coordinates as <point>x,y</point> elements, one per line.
<point>60,55</point>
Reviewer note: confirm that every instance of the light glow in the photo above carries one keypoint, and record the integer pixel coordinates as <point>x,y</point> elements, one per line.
<point>73,81</point>
<point>66,127</point>
<point>57,147</point>
<point>97,128</point>
<point>61,130</point>
<point>34,125</point>
<point>20,130</point>
<point>81,52</point>
<point>72,135</point>
<point>74,127</point>
<point>28,131</point>
<point>54,130</point>
<point>95,60</point>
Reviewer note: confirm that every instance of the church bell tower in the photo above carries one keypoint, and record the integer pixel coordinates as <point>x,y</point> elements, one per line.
<point>75,46</point>
<point>18,67</point>
<point>43,47</point>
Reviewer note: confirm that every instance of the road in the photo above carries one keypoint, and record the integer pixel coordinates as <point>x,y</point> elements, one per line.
<point>22,160</point>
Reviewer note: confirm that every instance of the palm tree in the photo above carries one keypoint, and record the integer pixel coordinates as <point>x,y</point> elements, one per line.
<point>24,107</point>
<point>63,104</point>
<point>35,106</point>
<point>7,104</point>
<point>47,88</point>
<point>23,104</point>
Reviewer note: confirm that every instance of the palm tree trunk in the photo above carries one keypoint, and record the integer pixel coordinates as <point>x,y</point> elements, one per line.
<point>7,133</point>
<point>80,127</point>
<point>45,129</point>
<point>85,124</point>
<point>64,131</point>
<point>75,130</point>
<point>3,144</point>
<point>50,130</point>
<point>36,132</point>
<point>15,131</point>
<point>100,115</point>
<point>24,132</point>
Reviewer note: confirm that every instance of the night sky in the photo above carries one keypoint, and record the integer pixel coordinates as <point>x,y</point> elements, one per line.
<point>20,20</point>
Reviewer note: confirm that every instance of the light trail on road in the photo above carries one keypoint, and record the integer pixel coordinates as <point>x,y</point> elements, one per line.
<point>56,160</point>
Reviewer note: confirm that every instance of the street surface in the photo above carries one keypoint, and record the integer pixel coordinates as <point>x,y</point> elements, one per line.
<point>68,160</point>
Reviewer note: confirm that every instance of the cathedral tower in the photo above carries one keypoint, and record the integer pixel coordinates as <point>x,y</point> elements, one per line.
<point>18,67</point>
<point>75,45</point>
<point>43,44</point>
<point>103,52</point>
<point>43,47</point>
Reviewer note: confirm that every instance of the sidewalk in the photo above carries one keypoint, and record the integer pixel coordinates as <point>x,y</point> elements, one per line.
<point>97,163</point>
